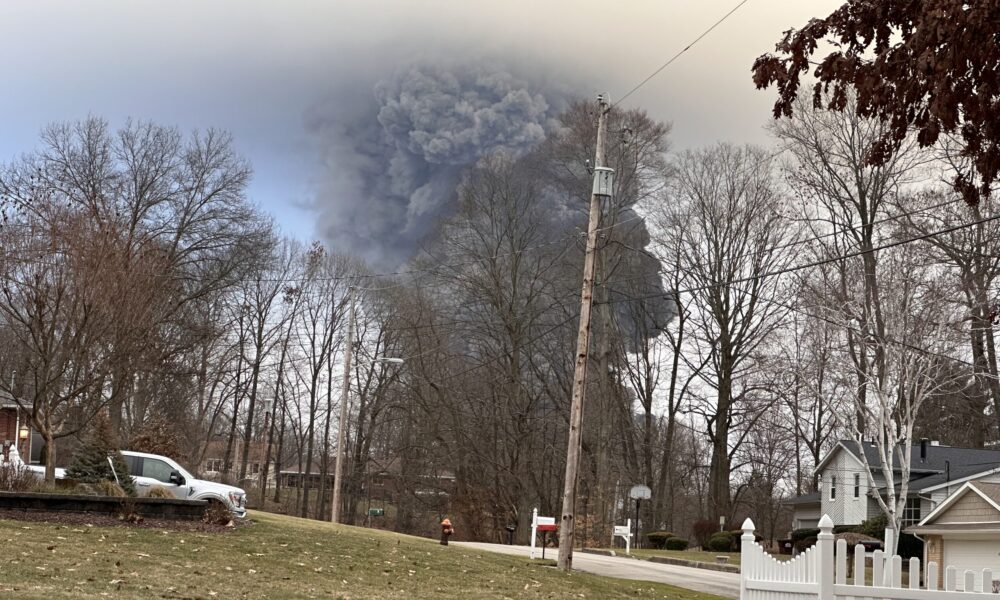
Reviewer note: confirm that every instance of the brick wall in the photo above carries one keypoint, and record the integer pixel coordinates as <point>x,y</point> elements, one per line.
<point>8,425</point>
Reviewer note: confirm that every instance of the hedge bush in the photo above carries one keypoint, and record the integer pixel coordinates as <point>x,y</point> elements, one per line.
<point>18,478</point>
<point>875,527</point>
<point>847,529</point>
<point>703,530</point>
<point>908,546</point>
<point>676,543</point>
<point>805,543</point>
<point>721,541</point>
<point>801,534</point>
<point>658,539</point>
<point>158,491</point>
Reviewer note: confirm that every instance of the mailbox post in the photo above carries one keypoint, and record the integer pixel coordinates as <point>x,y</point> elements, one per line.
<point>543,524</point>
<point>624,532</point>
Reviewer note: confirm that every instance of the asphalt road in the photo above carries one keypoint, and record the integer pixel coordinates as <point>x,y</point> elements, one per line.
<point>719,583</point>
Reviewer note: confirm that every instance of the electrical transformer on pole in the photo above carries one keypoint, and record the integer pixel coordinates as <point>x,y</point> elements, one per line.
<point>603,182</point>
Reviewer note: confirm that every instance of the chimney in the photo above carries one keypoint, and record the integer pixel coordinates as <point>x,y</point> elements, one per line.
<point>923,449</point>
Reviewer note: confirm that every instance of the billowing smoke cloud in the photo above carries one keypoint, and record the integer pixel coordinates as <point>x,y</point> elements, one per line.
<point>393,161</point>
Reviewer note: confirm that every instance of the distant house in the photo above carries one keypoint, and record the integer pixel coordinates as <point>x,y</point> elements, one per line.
<point>15,429</point>
<point>291,477</point>
<point>807,510</point>
<point>936,472</point>
<point>214,464</point>
<point>963,531</point>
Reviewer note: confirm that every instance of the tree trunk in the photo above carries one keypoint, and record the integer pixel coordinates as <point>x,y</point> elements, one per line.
<point>252,405</point>
<point>719,469</point>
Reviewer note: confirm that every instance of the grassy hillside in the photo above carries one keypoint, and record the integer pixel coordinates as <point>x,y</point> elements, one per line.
<point>278,557</point>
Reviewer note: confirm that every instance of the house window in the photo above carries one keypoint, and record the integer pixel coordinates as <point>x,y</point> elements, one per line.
<point>833,487</point>
<point>857,485</point>
<point>214,464</point>
<point>911,512</point>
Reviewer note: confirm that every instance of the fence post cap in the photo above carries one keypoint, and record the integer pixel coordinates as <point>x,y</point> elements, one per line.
<point>748,526</point>
<point>826,523</point>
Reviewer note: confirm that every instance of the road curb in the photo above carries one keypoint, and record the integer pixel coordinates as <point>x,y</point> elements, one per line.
<point>680,562</point>
<point>600,552</point>
<point>693,563</point>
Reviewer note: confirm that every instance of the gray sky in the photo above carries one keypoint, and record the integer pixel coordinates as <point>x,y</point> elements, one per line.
<point>261,68</point>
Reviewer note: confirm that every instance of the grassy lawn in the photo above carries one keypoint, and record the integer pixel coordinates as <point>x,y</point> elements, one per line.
<point>278,557</point>
<point>695,555</point>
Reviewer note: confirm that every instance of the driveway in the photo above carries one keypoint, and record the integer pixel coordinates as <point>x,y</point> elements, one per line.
<point>719,583</point>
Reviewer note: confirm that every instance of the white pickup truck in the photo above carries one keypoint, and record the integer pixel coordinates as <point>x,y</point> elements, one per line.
<point>149,470</point>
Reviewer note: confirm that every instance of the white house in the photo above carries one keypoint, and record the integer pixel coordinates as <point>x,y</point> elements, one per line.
<point>936,472</point>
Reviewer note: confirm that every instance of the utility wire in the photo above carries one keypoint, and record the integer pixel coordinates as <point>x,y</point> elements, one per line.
<point>812,264</point>
<point>840,228</point>
<point>678,55</point>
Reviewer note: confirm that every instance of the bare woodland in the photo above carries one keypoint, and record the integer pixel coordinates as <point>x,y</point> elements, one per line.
<point>753,306</point>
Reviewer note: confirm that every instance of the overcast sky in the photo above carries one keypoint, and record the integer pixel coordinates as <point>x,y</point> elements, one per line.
<point>264,69</point>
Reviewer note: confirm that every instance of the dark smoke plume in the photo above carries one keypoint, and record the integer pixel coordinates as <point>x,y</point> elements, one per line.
<point>392,164</point>
<point>394,158</point>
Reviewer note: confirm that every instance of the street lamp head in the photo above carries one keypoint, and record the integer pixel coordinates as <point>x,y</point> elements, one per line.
<point>395,361</point>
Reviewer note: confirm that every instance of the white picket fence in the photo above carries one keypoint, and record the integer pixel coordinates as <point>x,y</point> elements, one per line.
<point>821,573</point>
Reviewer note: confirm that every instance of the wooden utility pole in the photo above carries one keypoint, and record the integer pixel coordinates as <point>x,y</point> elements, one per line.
<point>602,187</point>
<point>338,476</point>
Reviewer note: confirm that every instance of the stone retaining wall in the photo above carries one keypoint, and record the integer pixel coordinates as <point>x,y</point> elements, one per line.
<point>153,508</point>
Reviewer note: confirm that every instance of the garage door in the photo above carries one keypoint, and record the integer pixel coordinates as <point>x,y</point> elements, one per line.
<point>974,555</point>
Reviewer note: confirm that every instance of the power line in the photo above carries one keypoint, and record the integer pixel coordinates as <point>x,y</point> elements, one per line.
<point>812,264</point>
<point>678,55</point>
<point>799,242</point>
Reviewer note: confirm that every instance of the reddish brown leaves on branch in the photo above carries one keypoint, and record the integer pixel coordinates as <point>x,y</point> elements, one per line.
<point>932,66</point>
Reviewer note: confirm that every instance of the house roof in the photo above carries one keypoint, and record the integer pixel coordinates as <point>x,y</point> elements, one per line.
<point>990,492</point>
<point>943,464</point>
<point>6,401</point>
<point>812,498</point>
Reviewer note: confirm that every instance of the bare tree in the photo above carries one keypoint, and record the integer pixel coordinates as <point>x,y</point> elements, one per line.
<point>974,254</point>
<point>919,349</point>
<point>847,197</point>
<point>731,231</point>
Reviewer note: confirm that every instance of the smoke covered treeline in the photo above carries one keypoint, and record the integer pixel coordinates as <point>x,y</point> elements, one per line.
<point>222,336</point>
<point>138,279</point>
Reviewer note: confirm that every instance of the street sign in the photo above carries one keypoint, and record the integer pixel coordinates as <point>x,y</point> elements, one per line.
<point>640,492</point>
<point>376,512</point>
